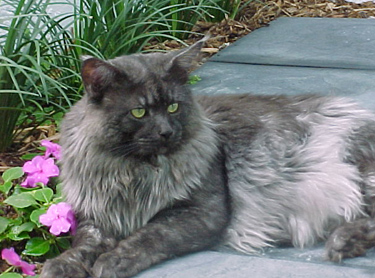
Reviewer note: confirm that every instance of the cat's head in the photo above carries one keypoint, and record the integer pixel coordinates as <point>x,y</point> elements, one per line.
<point>147,108</point>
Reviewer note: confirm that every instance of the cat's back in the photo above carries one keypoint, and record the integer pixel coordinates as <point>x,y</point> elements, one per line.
<point>240,118</point>
<point>247,114</point>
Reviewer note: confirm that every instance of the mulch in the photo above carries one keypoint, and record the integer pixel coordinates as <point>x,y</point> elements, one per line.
<point>260,13</point>
<point>256,14</point>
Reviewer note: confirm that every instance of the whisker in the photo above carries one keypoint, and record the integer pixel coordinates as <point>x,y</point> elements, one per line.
<point>125,149</point>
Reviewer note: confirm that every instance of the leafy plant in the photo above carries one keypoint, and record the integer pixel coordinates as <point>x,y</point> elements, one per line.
<point>119,27</point>
<point>22,209</point>
<point>231,7</point>
<point>37,66</point>
<point>40,53</point>
<point>24,228</point>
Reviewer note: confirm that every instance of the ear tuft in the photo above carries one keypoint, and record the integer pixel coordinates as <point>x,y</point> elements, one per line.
<point>184,60</point>
<point>97,76</point>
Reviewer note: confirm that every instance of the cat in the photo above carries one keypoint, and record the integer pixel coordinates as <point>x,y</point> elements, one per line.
<point>154,172</point>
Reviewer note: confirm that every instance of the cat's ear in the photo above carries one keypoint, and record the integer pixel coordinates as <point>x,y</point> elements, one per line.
<point>183,61</point>
<point>97,76</point>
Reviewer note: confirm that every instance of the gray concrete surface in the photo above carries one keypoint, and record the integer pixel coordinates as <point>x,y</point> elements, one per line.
<point>291,56</point>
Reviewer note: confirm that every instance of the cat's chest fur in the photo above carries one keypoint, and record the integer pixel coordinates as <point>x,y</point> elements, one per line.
<point>121,194</point>
<point>131,196</point>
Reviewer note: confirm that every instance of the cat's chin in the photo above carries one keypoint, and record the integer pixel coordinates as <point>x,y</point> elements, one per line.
<point>163,151</point>
<point>152,160</point>
<point>152,156</point>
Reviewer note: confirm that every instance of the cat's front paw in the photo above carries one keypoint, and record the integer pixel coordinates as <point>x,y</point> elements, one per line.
<point>110,265</point>
<point>117,265</point>
<point>60,268</point>
<point>351,240</point>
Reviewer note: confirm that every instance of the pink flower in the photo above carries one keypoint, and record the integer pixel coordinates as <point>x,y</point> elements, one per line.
<point>39,170</point>
<point>60,218</point>
<point>51,149</point>
<point>13,259</point>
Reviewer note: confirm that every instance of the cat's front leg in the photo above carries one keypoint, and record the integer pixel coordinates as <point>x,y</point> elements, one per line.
<point>124,261</point>
<point>193,225</point>
<point>154,243</point>
<point>88,243</point>
<point>67,265</point>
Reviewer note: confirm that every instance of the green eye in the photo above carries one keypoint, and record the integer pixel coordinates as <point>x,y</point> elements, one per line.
<point>138,112</point>
<point>173,108</point>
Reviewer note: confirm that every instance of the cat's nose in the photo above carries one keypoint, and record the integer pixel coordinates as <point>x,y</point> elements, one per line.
<point>165,133</point>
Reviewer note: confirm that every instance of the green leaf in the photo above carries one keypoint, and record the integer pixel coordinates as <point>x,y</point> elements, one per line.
<point>64,243</point>
<point>58,190</point>
<point>36,246</point>
<point>19,237</point>
<point>43,195</point>
<point>6,187</point>
<point>12,174</point>
<point>4,222</point>
<point>34,216</point>
<point>194,79</point>
<point>25,227</point>
<point>16,221</point>
<point>29,156</point>
<point>53,252</point>
<point>10,275</point>
<point>21,200</point>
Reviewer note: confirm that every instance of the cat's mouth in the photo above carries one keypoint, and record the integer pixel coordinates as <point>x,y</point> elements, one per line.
<point>158,147</point>
<point>163,150</point>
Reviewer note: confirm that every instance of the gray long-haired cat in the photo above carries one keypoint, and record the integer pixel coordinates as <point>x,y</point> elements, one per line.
<point>154,172</point>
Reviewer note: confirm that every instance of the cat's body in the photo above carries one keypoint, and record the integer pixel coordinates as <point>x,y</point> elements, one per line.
<point>287,162</point>
<point>153,172</point>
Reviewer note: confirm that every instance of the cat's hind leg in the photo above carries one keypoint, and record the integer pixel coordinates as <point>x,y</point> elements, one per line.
<point>354,238</point>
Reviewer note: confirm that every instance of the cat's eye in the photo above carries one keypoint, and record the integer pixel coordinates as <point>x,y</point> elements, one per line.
<point>138,112</point>
<point>173,108</point>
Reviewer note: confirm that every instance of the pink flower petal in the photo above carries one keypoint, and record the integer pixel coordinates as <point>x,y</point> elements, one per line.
<point>47,219</point>
<point>13,259</point>
<point>54,210</point>
<point>51,148</point>
<point>63,209</point>
<point>10,256</point>
<point>49,168</point>
<point>30,167</point>
<point>66,211</point>
<point>48,144</point>
<point>28,182</point>
<point>33,179</point>
<point>27,269</point>
<point>38,161</point>
<point>73,227</point>
<point>60,218</point>
<point>59,226</point>
<point>57,154</point>
<point>41,178</point>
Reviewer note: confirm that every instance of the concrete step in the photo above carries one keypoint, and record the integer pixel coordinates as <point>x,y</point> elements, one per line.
<point>309,42</point>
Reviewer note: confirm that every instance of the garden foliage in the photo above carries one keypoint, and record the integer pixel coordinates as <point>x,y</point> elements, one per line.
<point>33,218</point>
<point>40,52</point>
